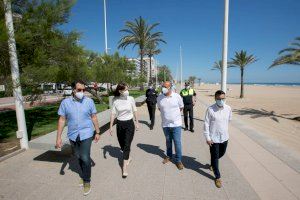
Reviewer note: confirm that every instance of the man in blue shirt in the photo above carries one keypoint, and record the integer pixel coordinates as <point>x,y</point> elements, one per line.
<point>81,115</point>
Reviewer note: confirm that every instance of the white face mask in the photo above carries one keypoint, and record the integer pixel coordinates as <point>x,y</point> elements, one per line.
<point>79,95</point>
<point>126,93</point>
<point>165,90</point>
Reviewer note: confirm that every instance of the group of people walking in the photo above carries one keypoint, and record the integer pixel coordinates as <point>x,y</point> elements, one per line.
<point>79,112</point>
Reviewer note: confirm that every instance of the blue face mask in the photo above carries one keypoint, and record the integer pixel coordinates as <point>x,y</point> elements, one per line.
<point>220,103</point>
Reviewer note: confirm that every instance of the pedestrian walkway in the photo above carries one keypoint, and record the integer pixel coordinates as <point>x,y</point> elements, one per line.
<point>36,174</point>
<point>261,160</point>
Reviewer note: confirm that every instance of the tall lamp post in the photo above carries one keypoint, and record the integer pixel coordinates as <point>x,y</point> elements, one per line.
<point>181,83</point>
<point>225,48</point>
<point>105,29</point>
<point>22,129</point>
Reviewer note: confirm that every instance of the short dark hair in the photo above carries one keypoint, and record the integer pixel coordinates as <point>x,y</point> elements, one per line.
<point>120,86</point>
<point>73,85</point>
<point>219,92</point>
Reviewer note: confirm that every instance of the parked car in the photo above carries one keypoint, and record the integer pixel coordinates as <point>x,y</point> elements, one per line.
<point>67,91</point>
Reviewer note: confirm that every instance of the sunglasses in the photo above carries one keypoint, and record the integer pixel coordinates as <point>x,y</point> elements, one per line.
<point>80,90</point>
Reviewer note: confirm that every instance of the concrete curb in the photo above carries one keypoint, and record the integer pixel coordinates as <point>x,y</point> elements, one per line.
<point>3,158</point>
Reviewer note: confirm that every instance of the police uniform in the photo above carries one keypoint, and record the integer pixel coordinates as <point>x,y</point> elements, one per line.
<point>151,95</point>
<point>187,96</point>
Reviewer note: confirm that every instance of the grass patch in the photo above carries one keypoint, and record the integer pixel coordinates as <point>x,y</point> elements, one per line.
<point>136,93</point>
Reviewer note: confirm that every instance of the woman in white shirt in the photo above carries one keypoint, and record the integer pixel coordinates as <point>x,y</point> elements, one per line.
<point>124,109</point>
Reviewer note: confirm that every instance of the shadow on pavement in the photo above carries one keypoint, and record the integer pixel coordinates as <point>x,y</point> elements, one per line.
<point>257,113</point>
<point>144,122</point>
<point>152,149</point>
<point>188,162</point>
<point>192,164</point>
<point>62,157</point>
<point>114,152</point>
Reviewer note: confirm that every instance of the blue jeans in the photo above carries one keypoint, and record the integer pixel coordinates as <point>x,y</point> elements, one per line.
<point>173,134</point>
<point>82,150</point>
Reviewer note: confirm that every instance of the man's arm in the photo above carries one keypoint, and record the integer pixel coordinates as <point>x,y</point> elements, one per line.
<point>96,123</point>
<point>230,115</point>
<point>206,128</point>
<point>181,105</point>
<point>194,98</point>
<point>60,127</point>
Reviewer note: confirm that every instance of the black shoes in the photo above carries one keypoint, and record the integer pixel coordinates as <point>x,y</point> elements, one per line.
<point>186,128</point>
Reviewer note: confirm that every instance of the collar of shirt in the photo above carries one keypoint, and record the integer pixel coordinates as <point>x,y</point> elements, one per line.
<point>78,100</point>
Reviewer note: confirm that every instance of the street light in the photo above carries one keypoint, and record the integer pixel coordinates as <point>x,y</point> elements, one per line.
<point>225,48</point>
<point>181,83</point>
<point>22,129</point>
<point>105,29</point>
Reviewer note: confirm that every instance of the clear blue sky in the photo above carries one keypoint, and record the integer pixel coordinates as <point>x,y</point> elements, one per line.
<point>261,27</point>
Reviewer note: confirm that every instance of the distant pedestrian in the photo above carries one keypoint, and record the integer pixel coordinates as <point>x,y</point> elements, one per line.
<point>216,123</point>
<point>81,115</point>
<point>124,109</point>
<point>151,95</point>
<point>170,105</point>
<point>188,95</point>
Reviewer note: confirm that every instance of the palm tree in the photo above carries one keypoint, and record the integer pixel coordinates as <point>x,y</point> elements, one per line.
<point>218,66</point>
<point>151,50</point>
<point>241,60</point>
<point>138,33</point>
<point>292,55</point>
<point>199,81</point>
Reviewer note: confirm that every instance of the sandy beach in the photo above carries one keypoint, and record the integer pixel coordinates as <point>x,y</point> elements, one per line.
<point>268,109</point>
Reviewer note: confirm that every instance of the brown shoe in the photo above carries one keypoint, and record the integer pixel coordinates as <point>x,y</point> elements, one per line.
<point>179,165</point>
<point>218,183</point>
<point>166,160</point>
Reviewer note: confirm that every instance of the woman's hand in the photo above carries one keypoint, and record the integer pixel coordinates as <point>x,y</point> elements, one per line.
<point>110,131</point>
<point>137,126</point>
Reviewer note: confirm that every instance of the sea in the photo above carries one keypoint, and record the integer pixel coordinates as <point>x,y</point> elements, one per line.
<point>272,84</point>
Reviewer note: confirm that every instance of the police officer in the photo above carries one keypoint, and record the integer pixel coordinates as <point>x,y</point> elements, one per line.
<point>151,95</point>
<point>188,95</point>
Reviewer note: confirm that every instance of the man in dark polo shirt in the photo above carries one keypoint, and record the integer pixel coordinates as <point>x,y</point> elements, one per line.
<point>151,95</point>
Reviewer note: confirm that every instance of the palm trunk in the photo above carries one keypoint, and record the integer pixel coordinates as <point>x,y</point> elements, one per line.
<point>141,62</point>
<point>150,75</point>
<point>141,68</point>
<point>242,83</point>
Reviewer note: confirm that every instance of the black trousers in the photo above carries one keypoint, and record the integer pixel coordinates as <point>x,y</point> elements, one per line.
<point>82,150</point>
<point>151,109</point>
<point>125,133</point>
<point>217,150</point>
<point>188,111</point>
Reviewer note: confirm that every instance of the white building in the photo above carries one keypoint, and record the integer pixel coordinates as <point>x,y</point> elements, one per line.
<point>146,66</point>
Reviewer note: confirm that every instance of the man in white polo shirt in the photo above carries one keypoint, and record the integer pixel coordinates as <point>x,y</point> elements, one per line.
<point>216,122</point>
<point>170,105</point>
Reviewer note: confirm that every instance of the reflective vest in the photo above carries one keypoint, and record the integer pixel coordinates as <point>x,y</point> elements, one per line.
<point>185,92</point>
